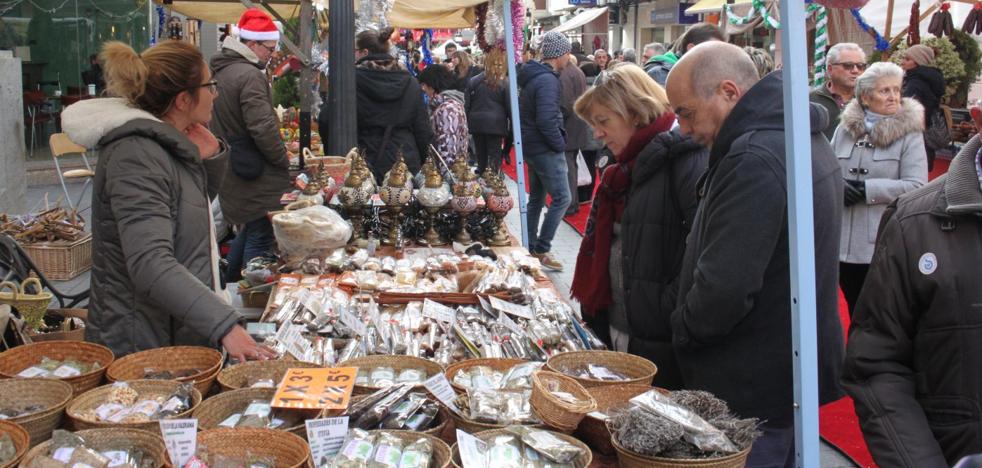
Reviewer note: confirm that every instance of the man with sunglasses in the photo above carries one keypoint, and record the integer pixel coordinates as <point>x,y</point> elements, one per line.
<point>258,171</point>
<point>845,61</point>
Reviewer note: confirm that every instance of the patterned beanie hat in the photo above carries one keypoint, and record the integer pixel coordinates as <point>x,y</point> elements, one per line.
<point>554,44</point>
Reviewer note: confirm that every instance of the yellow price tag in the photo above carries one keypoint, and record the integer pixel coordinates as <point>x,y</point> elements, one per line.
<point>323,388</point>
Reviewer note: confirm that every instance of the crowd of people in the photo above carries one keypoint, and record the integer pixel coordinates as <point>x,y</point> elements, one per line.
<point>685,259</point>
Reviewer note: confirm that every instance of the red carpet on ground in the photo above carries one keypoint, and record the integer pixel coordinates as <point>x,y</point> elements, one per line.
<point>577,221</point>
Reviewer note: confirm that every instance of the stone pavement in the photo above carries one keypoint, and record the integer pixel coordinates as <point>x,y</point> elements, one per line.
<point>565,247</point>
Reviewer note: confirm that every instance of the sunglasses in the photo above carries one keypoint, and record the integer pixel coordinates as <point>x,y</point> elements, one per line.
<point>211,85</point>
<point>850,66</point>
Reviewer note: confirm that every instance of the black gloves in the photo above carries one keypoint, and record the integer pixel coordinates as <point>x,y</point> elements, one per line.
<point>855,191</point>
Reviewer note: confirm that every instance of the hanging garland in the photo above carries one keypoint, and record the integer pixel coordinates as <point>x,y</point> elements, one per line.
<point>881,43</point>
<point>821,41</point>
<point>757,7</point>
<point>913,28</point>
<point>482,17</point>
<point>517,25</point>
<point>425,45</point>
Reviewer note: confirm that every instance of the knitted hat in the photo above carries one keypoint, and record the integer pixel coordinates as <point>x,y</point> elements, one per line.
<point>255,25</point>
<point>554,44</point>
<point>921,55</point>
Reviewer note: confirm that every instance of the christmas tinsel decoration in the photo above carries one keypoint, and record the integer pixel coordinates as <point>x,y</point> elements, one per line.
<point>482,17</point>
<point>425,47</point>
<point>914,28</point>
<point>517,23</point>
<point>821,41</point>
<point>881,43</point>
<point>757,7</point>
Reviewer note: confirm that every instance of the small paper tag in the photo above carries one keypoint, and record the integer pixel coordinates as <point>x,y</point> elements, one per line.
<point>326,437</point>
<point>517,310</point>
<point>510,324</point>
<point>180,437</point>
<point>472,450</point>
<point>437,311</point>
<point>352,321</point>
<point>440,387</point>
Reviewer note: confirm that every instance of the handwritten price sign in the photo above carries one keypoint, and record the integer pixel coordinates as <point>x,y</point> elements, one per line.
<point>328,388</point>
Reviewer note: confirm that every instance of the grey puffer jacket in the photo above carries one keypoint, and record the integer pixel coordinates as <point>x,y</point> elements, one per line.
<point>244,109</point>
<point>890,159</point>
<point>152,276</point>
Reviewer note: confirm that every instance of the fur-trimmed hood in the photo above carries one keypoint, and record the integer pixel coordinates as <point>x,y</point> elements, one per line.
<point>909,119</point>
<point>86,122</point>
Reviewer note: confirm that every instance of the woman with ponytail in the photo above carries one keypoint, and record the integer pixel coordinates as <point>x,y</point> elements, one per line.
<point>155,270</point>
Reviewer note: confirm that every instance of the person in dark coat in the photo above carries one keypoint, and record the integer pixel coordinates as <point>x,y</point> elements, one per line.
<point>573,85</point>
<point>155,278</point>
<point>914,361</point>
<point>925,83</point>
<point>632,250</point>
<point>463,67</point>
<point>732,328</point>
<point>392,116</point>
<point>488,106</point>
<point>544,141</point>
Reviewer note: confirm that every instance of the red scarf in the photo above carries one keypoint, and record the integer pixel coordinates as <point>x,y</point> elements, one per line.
<point>591,280</point>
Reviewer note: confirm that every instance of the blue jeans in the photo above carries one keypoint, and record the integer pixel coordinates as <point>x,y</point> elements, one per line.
<point>254,239</point>
<point>547,174</point>
<point>774,448</point>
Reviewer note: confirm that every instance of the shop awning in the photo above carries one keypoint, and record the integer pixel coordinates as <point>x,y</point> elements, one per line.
<point>710,6</point>
<point>582,19</point>
<point>404,13</point>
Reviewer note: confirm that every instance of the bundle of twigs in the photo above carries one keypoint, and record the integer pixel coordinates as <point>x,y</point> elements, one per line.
<point>56,224</point>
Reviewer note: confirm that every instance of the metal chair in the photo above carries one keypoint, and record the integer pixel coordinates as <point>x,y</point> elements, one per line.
<point>61,145</point>
<point>16,266</point>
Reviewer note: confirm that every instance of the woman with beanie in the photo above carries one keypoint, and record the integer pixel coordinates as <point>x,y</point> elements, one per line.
<point>925,83</point>
<point>880,147</point>
<point>155,279</point>
<point>635,236</point>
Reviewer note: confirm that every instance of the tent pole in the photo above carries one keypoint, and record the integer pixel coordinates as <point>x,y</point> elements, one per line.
<point>889,25</point>
<point>342,130</point>
<point>797,143</point>
<point>307,75</point>
<point>516,125</point>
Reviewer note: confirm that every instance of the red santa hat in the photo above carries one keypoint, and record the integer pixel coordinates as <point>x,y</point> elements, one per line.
<point>256,25</point>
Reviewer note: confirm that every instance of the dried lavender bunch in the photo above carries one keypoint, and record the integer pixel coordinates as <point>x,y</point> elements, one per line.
<point>644,432</point>
<point>742,432</point>
<point>703,403</point>
<point>682,450</point>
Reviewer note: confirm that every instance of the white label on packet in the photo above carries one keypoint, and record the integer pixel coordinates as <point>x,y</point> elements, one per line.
<point>353,322</point>
<point>64,372</point>
<point>33,372</point>
<point>472,450</point>
<point>180,437</point>
<point>116,457</point>
<point>437,311</point>
<point>510,324</point>
<point>326,437</point>
<point>440,387</point>
<point>517,310</point>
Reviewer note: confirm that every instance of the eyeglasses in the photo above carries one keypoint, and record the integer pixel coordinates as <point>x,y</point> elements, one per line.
<point>850,66</point>
<point>268,48</point>
<point>211,85</point>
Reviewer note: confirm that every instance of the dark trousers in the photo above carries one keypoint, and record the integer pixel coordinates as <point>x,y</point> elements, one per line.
<point>851,279</point>
<point>254,239</point>
<point>574,203</point>
<point>774,448</point>
<point>585,193</point>
<point>488,151</point>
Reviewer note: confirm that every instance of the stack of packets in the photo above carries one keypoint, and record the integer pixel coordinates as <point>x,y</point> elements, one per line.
<point>396,407</point>
<point>363,449</point>
<point>593,371</point>
<point>496,397</point>
<point>260,414</point>
<point>206,458</point>
<point>53,368</point>
<point>525,447</point>
<point>71,450</point>
<point>388,376</point>
<point>126,405</point>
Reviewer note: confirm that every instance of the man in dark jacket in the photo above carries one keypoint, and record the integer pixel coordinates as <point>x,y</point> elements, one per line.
<point>732,326</point>
<point>488,106</point>
<point>914,359</point>
<point>544,141</point>
<point>258,171</point>
<point>844,63</point>
<point>573,84</point>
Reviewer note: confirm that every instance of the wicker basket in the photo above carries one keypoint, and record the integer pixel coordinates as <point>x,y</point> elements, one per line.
<point>150,443</point>
<point>629,459</point>
<point>594,431</point>
<point>173,359</point>
<point>287,449</point>
<point>61,261</point>
<point>146,388</point>
<point>441,451</point>
<point>500,365</point>
<point>77,334</point>
<point>53,395</point>
<point>554,411</point>
<point>30,307</point>
<point>398,363</point>
<point>239,375</point>
<point>582,462</point>
<point>211,412</point>
<point>638,369</point>
<point>336,166</point>
<point>21,439</point>
<point>17,359</point>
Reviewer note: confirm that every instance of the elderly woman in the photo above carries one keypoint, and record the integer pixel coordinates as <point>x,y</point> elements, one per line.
<point>636,232</point>
<point>880,147</point>
<point>925,83</point>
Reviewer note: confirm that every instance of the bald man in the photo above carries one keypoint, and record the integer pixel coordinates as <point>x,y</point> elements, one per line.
<point>732,327</point>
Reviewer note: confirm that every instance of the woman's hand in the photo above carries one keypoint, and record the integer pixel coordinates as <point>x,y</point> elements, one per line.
<point>203,138</point>
<point>242,347</point>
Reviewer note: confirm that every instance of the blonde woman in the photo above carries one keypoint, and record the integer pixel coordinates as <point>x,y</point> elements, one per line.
<point>463,69</point>
<point>632,250</point>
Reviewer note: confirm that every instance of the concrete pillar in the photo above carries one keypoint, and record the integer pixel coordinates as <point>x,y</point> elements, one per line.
<point>13,173</point>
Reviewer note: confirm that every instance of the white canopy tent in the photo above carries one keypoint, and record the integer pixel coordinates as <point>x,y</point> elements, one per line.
<point>583,18</point>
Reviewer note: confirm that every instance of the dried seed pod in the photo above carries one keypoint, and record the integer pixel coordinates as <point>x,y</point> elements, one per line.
<point>705,404</point>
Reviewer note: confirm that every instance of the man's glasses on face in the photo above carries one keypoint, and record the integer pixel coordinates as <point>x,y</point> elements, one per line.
<point>850,66</point>
<point>269,49</point>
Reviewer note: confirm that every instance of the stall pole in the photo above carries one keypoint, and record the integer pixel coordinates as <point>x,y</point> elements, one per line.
<point>801,220</point>
<point>342,134</point>
<point>516,122</point>
<point>307,75</point>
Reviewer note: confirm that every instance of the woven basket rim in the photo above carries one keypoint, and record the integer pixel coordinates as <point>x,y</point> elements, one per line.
<point>661,461</point>
<point>60,405</point>
<point>485,435</point>
<point>455,368</point>
<point>570,384</point>
<point>81,402</point>
<point>245,369</point>
<point>648,372</point>
<point>397,362</point>
<point>150,356</point>
<point>239,436</point>
<point>436,441</point>
<point>160,452</point>
<point>26,349</point>
<point>21,439</point>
